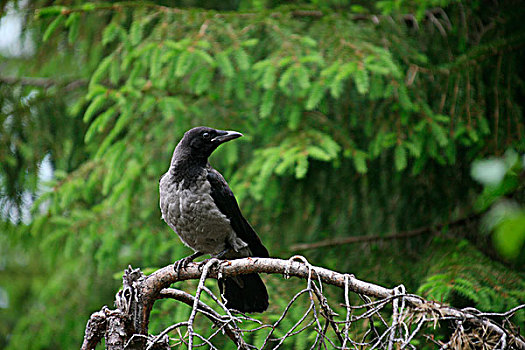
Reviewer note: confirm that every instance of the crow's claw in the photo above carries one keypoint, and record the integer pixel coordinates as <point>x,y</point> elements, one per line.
<point>183,263</point>
<point>180,264</point>
<point>202,264</point>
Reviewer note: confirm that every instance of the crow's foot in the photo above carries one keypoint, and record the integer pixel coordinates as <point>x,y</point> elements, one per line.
<point>182,263</point>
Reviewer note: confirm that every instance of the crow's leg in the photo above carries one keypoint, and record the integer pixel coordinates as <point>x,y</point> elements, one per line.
<point>218,256</point>
<point>223,253</point>
<point>182,263</point>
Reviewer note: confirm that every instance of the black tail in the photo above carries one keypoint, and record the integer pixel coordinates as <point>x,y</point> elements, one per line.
<point>246,293</point>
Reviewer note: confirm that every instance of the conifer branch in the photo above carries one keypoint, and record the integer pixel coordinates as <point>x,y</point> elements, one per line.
<point>44,82</point>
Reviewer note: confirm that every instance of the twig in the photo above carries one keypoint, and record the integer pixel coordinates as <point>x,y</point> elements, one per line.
<point>44,82</point>
<point>196,301</point>
<point>283,314</point>
<point>231,331</point>
<point>504,314</point>
<point>416,331</point>
<point>164,332</point>
<point>437,23</point>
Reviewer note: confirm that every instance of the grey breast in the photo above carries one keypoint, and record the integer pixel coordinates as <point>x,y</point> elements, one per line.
<point>189,209</point>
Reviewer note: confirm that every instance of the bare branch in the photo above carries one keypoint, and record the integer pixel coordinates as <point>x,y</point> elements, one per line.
<point>410,312</point>
<point>372,238</point>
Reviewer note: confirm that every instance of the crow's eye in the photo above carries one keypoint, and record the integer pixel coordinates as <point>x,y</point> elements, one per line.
<point>206,135</point>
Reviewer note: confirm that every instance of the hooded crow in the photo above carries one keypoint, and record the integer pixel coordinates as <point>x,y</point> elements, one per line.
<point>197,203</point>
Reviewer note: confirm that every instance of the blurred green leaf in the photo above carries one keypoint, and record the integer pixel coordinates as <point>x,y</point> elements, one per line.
<point>509,236</point>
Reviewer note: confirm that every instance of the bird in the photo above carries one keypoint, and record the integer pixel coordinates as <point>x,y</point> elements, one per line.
<point>197,203</point>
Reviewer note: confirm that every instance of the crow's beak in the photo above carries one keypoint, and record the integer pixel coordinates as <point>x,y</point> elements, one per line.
<point>226,136</point>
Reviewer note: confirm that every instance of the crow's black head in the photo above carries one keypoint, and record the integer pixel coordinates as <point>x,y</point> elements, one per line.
<point>201,141</point>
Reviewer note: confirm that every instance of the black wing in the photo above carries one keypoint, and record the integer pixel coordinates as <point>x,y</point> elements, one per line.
<point>227,204</point>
